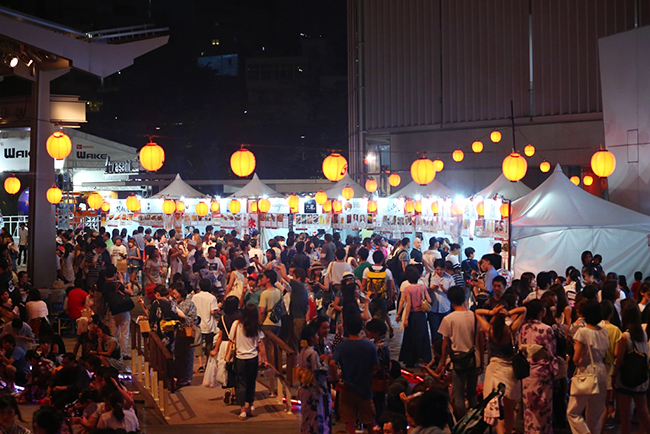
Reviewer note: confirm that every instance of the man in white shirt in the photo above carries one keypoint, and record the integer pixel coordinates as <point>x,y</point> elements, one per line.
<point>215,267</point>
<point>429,256</point>
<point>206,309</point>
<point>544,282</point>
<point>22,242</point>
<point>118,256</point>
<point>256,252</point>
<point>453,256</point>
<point>336,269</point>
<point>438,283</point>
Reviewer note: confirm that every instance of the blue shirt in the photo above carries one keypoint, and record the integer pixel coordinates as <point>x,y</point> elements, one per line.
<point>357,358</point>
<point>19,359</point>
<point>489,277</point>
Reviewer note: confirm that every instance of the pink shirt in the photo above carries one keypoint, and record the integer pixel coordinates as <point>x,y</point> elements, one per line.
<point>415,292</point>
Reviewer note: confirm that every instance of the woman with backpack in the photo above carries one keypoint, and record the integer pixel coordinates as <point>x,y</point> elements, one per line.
<point>630,373</point>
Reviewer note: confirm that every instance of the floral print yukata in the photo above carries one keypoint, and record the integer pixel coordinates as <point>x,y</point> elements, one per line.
<point>315,398</point>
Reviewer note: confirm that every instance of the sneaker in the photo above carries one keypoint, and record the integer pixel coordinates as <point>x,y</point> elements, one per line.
<point>226,397</point>
<point>242,415</point>
<point>251,409</point>
<point>201,369</point>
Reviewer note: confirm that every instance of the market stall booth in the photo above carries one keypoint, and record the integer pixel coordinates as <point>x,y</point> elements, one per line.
<point>506,189</point>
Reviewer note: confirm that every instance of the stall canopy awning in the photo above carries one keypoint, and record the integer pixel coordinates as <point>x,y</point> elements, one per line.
<point>347,181</point>
<point>413,189</point>
<point>256,188</point>
<point>177,189</point>
<point>506,189</point>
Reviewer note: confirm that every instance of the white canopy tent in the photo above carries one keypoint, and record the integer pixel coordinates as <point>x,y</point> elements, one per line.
<point>506,189</point>
<point>178,189</point>
<point>255,189</point>
<point>347,181</point>
<point>556,222</point>
<point>413,189</point>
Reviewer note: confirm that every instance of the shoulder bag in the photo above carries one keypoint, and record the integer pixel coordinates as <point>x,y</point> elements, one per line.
<point>425,306</point>
<point>586,383</point>
<point>634,370</point>
<point>520,364</point>
<point>231,351</point>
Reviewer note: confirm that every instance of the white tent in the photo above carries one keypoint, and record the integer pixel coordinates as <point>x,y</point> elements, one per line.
<point>555,223</point>
<point>505,188</point>
<point>177,189</point>
<point>434,188</point>
<point>347,181</point>
<point>256,188</point>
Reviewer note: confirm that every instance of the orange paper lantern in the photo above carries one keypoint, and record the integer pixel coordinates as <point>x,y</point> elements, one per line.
<point>169,206</point>
<point>348,193</point>
<point>371,185</point>
<point>327,206</point>
<point>214,206</point>
<point>264,205</point>
<point>418,206</point>
<point>294,202</point>
<point>514,167</point>
<point>495,136</point>
<point>545,166</point>
<point>58,145</point>
<point>438,165</point>
<point>529,150</point>
<point>394,180</point>
<point>12,185</point>
<point>95,200</point>
<point>202,209</point>
<point>588,180</point>
<point>372,206</point>
<point>435,207</point>
<point>409,206</point>
<point>321,197</point>
<point>242,162</point>
<point>335,166</point>
<point>234,206</point>
<point>422,171</point>
<point>132,203</point>
<point>254,206</point>
<point>106,207</point>
<point>603,163</point>
<point>54,195</point>
<point>180,206</point>
<point>458,155</point>
<point>456,209</point>
<point>480,209</point>
<point>477,146</point>
<point>575,180</point>
<point>337,206</point>
<point>152,156</point>
<point>505,209</point>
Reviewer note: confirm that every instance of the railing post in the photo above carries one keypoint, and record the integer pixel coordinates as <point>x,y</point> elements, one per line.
<point>146,375</point>
<point>154,386</point>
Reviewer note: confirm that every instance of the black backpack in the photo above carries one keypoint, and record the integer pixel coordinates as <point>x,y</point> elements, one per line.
<point>395,266</point>
<point>634,371</point>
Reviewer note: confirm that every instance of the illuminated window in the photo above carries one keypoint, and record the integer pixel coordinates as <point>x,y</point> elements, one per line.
<point>215,42</point>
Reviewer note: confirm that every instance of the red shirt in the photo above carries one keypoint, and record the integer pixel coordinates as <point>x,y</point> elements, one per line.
<point>76,301</point>
<point>635,290</point>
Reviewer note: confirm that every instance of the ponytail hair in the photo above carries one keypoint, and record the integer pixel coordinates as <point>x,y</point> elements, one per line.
<point>116,401</point>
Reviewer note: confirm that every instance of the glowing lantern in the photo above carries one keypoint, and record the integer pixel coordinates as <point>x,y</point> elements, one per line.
<point>348,193</point>
<point>12,185</point>
<point>505,210</point>
<point>371,185</point>
<point>514,167</point>
<point>418,206</point>
<point>529,150</point>
<point>169,206</point>
<point>234,206</point>
<point>152,157</point>
<point>293,201</point>
<point>214,206</point>
<point>335,166</point>
<point>321,197</point>
<point>409,206</point>
<point>588,180</point>
<point>337,206</point>
<point>202,209</point>
<point>458,155</point>
<point>372,206</point>
<point>180,206</point>
<point>253,206</point>
<point>58,145</point>
<point>575,180</point>
<point>435,207</point>
<point>495,136</point>
<point>132,203</point>
<point>54,195</point>
<point>327,206</point>
<point>264,205</point>
<point>106,207</point>
<point>438,165</point>
<point>457,208</point>
<point>394,180</point>
<point>242,162</point>
<point>603,163</point>
<point>480,209</point>
<point>95,200</point>
<point>477,146</point>
<point>422,171</point>
<point>545,166</point>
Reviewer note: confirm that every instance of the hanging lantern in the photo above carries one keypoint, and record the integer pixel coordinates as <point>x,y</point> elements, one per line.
<point>242,162</point>
<point>372,206</point>
<point>337,206</point>
<point>575,180</point>
<point>264,205</point>
<point>234,206</point>
<point>409,206</point>
<point>12,185</point>
<point>54,195</point>
<point>505,210</point>
<point>202,209</point>
<point>457,209</point>
<point>458,155</point>
<point>588,180</point>
<point>418,206</point>
<point>477,146</point>
<point>438,165</point>
<point>514,167</point>
<point>529,150</point>
<point>422,171</point>
<point>545,166</point>
<point>335,166</point>
<point>480,209</point>
<point>327,206</point>
<point>95,200</point>
<point>132,203</point>
<point>371,185</point>
<point>348,193</point>
<point>169,206</point>
<point>180,206</point>
<point>58,145</point>
<point>394,180</point>
<point>495,136</point>
<point>106,207</point>
<point>214,206</point>
<point>603,163</point>
<point>435,207</point>
<point>152,157</point>
<point>321,197</point>
<point>254,207</point>
<point>294,202</point>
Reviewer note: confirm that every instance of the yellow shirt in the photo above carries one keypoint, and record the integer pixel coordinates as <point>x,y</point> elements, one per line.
<point>614,334</point>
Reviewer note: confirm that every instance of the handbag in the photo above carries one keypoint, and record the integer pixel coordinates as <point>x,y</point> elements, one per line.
<point>231,351</point>
<point>634,371</point>
<point>330,312</point>
<point>425,306</point>
<point>168,325</point>
<point>520,364</point>
<point>586,383</point>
